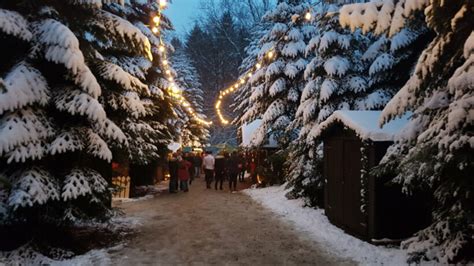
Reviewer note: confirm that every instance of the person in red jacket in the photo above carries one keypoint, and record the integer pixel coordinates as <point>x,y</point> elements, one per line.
<point>183,173</point>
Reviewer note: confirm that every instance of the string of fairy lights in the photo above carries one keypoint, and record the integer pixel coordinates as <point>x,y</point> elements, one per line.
<point>270,56</point>
<point>172,88</point>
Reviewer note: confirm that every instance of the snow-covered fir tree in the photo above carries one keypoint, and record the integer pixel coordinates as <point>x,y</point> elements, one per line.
<point>334,81</point>
<point>53,128</point>
<point>142,113</point>
<point>241,101</point>
<point>194,132</point>
<point>347,71</point>
<point>277,82</point>
<point>434,153</point>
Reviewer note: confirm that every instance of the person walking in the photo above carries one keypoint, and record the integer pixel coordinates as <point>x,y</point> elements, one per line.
<point>173,171</point>
<point>233,167</point>
<point>197,163</point>
<point>208,163</point>
<point>242,167</point>
<point>221,171</point>
<point>183,173</point>
<point>190,158</point>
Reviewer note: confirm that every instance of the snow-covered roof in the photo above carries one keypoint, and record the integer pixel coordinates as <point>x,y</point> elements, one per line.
<point>365,124</point>
<point>248,132</point>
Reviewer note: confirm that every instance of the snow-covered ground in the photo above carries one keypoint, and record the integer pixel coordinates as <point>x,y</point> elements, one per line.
<point>312,223</point>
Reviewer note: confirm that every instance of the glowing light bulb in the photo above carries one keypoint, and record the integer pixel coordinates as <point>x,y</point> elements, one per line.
<point>249,75</point>
<point>308,16</point>
<point>165,62</point>
<point>270,55</point>
<point>163,3</point>
<point>156,19</point>
<point>242,81</point>
<point>155,30</point>
<point>258,65</point>
<point>168,72</point>
<point>161,48</point>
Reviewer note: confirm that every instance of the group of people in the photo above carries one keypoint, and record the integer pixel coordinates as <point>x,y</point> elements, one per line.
<point>185,167</point>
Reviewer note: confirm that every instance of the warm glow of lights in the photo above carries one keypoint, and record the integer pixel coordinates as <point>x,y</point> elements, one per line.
<point>242,81</point>
<point>163,3</point>
<point>249,75</point>
<point>173,90</point>
<point>308,16</point>
<point>258,65</point>
<point>270,55</point>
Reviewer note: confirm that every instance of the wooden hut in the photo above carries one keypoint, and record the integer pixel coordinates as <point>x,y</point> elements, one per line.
<point>365,206</point>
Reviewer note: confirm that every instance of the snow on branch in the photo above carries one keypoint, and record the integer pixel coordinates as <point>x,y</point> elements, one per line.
<point>95,3</point>
<point>113,72</point>
<point>23,127</point>
<point>62,47</point>
<point>98,147</point>
<point>24,85</point>
<point>32,186</point>
<point>76,102</point>
<point>13,23</point>
<point>125,30</point>
<point>75,185</point>
<point>68,141</point>
<point>110,130</point>
<point>380,16</point>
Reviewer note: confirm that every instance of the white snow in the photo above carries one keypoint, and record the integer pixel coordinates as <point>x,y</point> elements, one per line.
<point>24,85</point>
<point>312,224</point>
<point>62,47</point>
<point>248,134</point>
<point>364,123</point>
<point>13,23</point>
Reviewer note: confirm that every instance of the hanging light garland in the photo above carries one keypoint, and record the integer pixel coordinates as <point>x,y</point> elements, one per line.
<point>269,57</point>
<point>173,89</point>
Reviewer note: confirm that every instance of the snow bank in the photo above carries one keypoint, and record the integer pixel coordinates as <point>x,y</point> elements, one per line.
<point>27,256</point>
<point>312,223</point>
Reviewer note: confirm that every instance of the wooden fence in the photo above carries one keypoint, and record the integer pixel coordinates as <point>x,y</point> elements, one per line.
<point>122,186</point>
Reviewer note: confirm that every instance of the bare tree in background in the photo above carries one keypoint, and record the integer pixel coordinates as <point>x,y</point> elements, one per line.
<point>216,46</point>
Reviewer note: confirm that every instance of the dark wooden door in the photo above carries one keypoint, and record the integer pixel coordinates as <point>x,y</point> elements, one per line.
<point>334,197</point>
<point>353,218</point>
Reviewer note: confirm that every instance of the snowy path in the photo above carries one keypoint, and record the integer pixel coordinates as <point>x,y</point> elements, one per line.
<point>214,227</point>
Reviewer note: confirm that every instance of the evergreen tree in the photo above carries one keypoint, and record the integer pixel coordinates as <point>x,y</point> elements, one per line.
<point>278,80</point>
<point>194,131</point>
<point>345,73</point>
<point>434,153</point>
<point>52,124</point>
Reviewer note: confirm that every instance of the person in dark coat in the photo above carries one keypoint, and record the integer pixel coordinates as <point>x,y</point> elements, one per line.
<point>221,171</point>
<point>183,173</point>
<point>173,170</point>
<point>197,163</point>
<point>233,168</point>
<point>242,167</point>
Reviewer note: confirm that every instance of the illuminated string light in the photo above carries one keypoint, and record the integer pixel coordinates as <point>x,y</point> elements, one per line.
<point>270,56</point>
<point>173,90</point>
